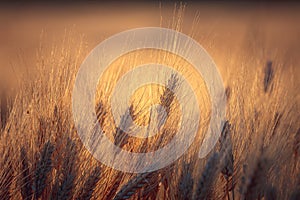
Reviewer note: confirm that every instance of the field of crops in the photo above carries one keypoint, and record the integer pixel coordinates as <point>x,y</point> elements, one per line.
<point>256,51</point>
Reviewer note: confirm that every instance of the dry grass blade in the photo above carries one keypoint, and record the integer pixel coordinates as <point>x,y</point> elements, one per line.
<point>6,177</point>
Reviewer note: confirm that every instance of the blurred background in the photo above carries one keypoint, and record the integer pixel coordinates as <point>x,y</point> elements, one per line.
<point>221,28</point>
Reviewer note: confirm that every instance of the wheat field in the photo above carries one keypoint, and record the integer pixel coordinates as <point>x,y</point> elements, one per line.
<point>256,157</point>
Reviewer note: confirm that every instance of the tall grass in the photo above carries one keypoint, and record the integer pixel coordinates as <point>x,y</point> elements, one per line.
<point>257,156</point>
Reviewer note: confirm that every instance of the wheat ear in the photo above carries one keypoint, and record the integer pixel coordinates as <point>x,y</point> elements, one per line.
<point>43,168</point>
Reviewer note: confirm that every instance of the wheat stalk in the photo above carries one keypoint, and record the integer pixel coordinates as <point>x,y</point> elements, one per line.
<point>186,182</point>
<point>43,168</point>
<point>25,178</point>
<point>207,178</point>
<point>133,185</point>
<point>89,185</point>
